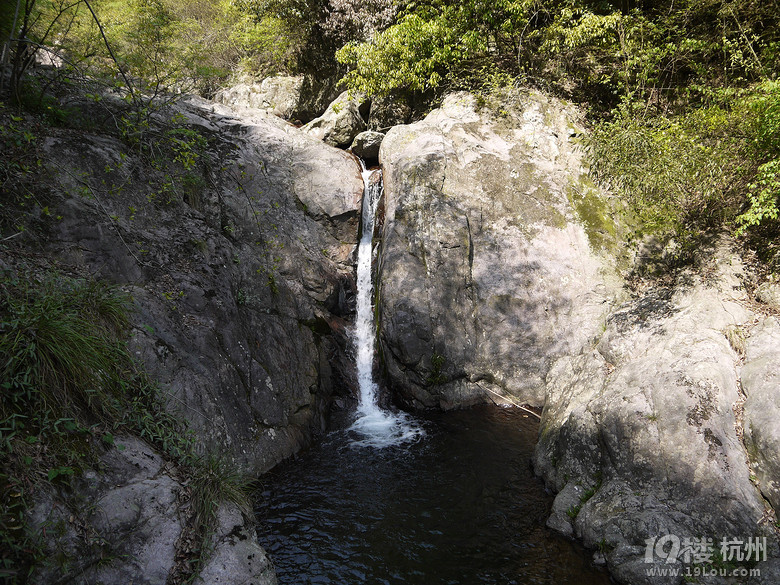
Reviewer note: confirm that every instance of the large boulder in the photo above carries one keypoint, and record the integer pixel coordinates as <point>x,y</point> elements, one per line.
<point>239,262</point>
<point>241,271</point>
<point>279,95</point>
<point>366,145</point>
<point>497,254</point>
<point>641,433</point>
<point>341,122</point>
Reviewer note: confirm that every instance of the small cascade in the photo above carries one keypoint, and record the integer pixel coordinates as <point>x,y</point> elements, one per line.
<point>374,426</point>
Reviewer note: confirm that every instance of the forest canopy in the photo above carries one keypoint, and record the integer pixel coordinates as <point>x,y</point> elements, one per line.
<point>683,94</point>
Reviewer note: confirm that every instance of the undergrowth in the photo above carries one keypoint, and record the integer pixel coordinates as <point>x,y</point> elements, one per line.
<point>706,168</point>
<point>69,385</point>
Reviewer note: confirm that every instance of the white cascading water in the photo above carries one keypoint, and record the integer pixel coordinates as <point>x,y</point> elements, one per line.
<point>376,427</point>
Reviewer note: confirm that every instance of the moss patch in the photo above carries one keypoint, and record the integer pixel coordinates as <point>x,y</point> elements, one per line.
<point>594,213</point>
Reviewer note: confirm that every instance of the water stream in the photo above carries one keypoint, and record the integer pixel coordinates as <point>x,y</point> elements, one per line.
<point>373,426</point>
<point>441,499</point>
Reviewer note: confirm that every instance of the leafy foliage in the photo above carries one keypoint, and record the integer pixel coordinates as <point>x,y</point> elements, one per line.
<point>411,54</point>
<point>675,171</point>
<point>609,50</point>
<point>700,169</point>
<point>764,190</point>
<point>433,44</point>
<point>682,94</point>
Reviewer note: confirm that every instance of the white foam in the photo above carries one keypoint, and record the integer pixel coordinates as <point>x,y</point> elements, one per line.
<point>374,426</point>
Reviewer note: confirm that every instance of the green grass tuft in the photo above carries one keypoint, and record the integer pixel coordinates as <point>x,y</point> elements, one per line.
<point>69,385</point>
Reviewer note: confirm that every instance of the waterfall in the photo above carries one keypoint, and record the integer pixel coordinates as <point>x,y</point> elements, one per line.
<point>375,426</point>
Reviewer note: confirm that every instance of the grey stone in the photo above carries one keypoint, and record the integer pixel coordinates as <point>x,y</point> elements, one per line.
<point>141,522</point>
<point>761,383</point>
<point>341,122</point>
<point>565,506</point>
<point>366,145</point>
<point>132,459</point>
<point>487,271</point>
<point>769,294</point>
<point>237,557</point>
<point>239,286</point>
<point>123,523</point>
<point>279,95</point>
<point>648,421</point>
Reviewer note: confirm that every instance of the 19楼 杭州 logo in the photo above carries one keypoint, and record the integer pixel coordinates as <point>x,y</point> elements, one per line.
<point>701,555</point>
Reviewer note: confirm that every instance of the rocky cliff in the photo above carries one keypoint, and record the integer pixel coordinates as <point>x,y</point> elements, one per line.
<point>500,275</point>
<point>240,279</point>
<point>234,234</point>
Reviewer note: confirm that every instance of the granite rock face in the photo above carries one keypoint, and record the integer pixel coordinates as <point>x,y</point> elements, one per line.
<point>241,282</point>
<point>499,274</point>
<point>298,98</point>
<point>488,269</point>
<point>341,122</point>
<point>642,432</point>
<point>240,269</point>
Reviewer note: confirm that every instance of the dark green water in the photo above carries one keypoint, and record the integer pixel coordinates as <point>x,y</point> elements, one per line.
<point>460,506</point>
